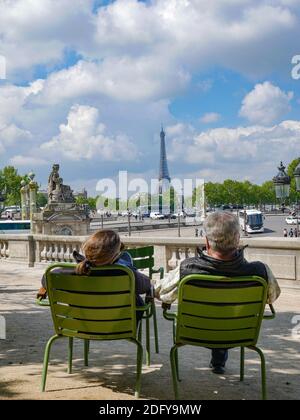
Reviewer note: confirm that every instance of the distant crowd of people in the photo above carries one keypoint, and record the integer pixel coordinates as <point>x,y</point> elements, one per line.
<point>293,233</point>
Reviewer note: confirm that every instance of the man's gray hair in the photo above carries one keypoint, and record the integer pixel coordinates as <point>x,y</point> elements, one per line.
<point>222,230</point>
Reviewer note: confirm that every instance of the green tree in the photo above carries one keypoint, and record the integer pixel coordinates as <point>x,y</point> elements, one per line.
<point>10,184</point>
<point>294,195</point>
<point>90,201</point>
<point>41,200</point>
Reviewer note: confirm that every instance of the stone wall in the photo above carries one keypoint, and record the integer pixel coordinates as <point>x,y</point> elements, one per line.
<point>281,254</point>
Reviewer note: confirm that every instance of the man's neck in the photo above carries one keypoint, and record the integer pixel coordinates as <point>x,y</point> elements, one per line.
<point>220,256</point>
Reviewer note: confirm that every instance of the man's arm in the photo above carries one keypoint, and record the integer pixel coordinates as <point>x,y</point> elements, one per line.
<point>142,283</point>
<point>166,289</point>
<point>273,286</point>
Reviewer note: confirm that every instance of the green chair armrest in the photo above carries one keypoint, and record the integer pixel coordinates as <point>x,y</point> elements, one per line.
<point>145,308</point>
<point>170,316</point>
<point>160,270</point>
<point>149,298</point>
<point>273,313</point>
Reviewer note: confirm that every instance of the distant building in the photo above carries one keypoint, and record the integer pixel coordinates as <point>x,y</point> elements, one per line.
<point>82,194</point>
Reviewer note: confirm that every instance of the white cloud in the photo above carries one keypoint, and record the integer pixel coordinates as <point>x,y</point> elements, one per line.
<point>14,98</point>
<point>37,32</point>
<point>84,138</point>
<point>27,161</point>
<point>121,79</point>
<point>198,34</point>
<point>243,152</point>
<point>266,104</point>
<point>134,42</point>
<point>10,135</point>
<point>210,117</point>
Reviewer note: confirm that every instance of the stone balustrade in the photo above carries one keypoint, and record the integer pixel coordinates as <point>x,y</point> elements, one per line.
<point>4,249</point>
<point>281,254</point>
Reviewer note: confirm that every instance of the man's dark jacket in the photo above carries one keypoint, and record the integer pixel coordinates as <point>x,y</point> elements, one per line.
<point>238,266</point>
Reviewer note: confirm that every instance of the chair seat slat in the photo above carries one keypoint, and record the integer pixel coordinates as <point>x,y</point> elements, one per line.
<point>251,294</point>
<point>88,283</point>
<point>218,324</point>
<point>93,300</point>
<point>220,311</point>
<point>93,314</point>
<point>94,326</point>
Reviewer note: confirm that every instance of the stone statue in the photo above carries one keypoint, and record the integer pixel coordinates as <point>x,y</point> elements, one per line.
<point>62,215</point>
<point>57,192</point>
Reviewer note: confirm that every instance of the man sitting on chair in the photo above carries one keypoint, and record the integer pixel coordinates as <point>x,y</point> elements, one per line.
<point>221,257</point>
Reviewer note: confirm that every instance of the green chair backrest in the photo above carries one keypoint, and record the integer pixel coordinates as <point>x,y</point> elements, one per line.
<point>143,258</point>
<point>220,312</point>
<point>100,306</point>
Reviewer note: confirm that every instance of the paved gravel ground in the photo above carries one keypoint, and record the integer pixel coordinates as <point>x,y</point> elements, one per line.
<point>111,374</point>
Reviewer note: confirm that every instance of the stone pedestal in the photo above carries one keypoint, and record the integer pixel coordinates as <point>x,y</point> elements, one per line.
<point>61,219</point>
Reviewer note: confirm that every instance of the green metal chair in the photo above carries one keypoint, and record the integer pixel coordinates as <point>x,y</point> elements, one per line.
<point>96,307</point>
<point>143,258</point>
<point>219,312</point>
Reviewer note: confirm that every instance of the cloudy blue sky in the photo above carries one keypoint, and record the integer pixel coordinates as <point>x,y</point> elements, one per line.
<point>89,83</point>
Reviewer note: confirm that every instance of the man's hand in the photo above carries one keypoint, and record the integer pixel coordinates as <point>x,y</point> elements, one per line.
<point>42,293</point>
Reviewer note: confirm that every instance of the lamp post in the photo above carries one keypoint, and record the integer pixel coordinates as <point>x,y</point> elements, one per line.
<point>102,218</point>
<point>297,179</point>
<point>282,183</point>
<point>179,216</point>
<point>129,224</point>
<point>2,201</point>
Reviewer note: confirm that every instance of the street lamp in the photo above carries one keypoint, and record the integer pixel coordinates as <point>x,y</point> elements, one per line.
<point>2,200</point>
<point>297,179</point>
<point>129,224</point>
<point>282,183</point>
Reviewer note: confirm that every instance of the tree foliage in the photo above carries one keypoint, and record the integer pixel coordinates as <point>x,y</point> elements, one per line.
<point>10,185</point>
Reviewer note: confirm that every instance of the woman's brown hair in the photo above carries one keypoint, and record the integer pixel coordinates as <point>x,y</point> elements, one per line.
<point>102,248</point>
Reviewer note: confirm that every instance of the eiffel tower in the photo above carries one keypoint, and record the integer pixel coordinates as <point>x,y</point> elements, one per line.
<point>164,177</point>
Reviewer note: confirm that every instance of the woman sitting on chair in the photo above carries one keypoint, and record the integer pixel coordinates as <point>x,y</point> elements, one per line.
<point>105,248</point>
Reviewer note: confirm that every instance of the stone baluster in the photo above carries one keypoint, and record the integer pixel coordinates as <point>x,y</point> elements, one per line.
<point>43,255</point>
<point>6,249</point>
<point>173,261</point>
<point>49,253</point>
<point>61,253</point>
<point>55,252</point>
<point>181,254</point>
<point>68,253</point>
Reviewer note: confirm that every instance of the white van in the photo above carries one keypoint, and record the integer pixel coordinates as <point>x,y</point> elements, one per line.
<point>155,215</point>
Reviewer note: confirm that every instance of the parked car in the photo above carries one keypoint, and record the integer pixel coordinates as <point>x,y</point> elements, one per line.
<point>292,220</point>
<point>156,215</point>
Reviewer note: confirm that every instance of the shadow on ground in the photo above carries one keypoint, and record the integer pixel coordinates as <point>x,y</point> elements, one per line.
<point>112,364</point>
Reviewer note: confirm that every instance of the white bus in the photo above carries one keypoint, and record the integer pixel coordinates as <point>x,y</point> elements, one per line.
<point>15,226</point>
<point>252,221</point>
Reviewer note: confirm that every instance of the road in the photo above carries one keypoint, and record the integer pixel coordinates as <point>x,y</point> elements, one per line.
<point>274,226</point>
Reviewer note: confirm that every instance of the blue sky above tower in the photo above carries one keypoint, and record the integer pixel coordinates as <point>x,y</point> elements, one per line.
<point>95,81</point>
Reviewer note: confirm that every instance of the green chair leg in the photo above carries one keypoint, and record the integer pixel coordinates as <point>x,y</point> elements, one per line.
<point>86,352</point>
<point>177,365</point>
<point>46,360</point>
<point>140,330</point>
<point>242,364</point>
<point>148,339</point>
<point>174,370</point>
<point>70,356</point>
<point>155,327</point>
<point>263,371</point>
<point>139,364</point>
